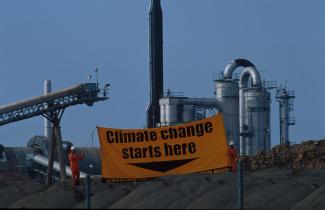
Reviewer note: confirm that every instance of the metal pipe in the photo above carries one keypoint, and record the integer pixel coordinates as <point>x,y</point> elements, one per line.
<point>249,72</point>
<point>47,124</point>
<point>40,159</point>
<point>201,102</point>
<point>230,68</point>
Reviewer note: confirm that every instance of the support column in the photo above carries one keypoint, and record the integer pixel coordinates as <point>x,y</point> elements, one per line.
<point>56,142</point>
<point>49,171</point>
<point>58,139</point>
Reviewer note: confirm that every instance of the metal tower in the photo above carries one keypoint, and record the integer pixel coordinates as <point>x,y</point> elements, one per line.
<point>285,99</point>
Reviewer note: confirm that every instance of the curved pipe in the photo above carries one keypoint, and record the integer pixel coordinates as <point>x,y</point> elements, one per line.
<point>249,72</point>
<point>230,68</point>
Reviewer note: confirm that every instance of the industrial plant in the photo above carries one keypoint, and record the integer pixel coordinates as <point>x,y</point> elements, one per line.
<point>241,95</point>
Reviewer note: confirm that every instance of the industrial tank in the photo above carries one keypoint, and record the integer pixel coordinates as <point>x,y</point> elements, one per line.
<point>227,92</point>
<point>169,111</point>
<point>178,110</point>
<point>256,120</point>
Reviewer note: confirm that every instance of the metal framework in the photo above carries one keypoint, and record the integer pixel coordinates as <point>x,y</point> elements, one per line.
<point>52,106</point>
<point>49,104</point>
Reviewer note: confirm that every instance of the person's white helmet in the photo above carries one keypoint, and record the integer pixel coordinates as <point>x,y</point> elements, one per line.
<point>72,148</point>
<point>231,143</point>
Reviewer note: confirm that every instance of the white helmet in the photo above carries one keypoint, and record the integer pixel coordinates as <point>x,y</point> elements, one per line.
<point>231,143</point>
<point>72,148</point>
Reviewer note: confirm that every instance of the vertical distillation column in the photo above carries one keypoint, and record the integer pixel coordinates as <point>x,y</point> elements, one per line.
<point>257,102</point>
<point>227,92</point>
<point>247,127</point>
<point>285,99</point>
<point>47,124</point>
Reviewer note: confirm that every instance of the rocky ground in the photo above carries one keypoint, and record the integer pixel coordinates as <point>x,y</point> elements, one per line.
<point>289,177</point>
<point>307,155</point>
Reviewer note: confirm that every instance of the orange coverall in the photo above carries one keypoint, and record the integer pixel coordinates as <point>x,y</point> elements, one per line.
<point>233,158</point>
<point>73,159</point>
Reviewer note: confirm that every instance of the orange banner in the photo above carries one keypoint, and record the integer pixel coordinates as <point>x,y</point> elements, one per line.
<point>148,153</point>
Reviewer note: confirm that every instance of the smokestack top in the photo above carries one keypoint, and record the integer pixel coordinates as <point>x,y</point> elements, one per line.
<point>154,6</point>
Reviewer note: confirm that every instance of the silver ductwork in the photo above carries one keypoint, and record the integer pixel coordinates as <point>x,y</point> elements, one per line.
<point>230,68</point>
<point>227,92</point>
<point>252,73</point>
<point>176,110</point>
<point>42,160</point>
<point>254,113</point>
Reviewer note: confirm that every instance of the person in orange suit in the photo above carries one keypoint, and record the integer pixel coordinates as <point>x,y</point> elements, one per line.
<point>233,156</point>
<point>74,157</point>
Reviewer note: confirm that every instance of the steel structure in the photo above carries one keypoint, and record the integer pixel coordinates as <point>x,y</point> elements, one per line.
<point>246,107</point>
<point>52,106</point>
<point>155,63</point>
<point>285,99</point>
<point>42,160</point>
<point>32,160</point>
<point>227,92</point>
<point>51,103</point>
<point>254,113</point>
<point>177,110</point>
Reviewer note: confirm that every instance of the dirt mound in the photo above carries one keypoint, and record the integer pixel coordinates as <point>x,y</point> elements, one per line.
<point>60,195</point>
<point>276,180</point>
<point>307,155</point>
<point>264,189</point>
<point>14,186</point>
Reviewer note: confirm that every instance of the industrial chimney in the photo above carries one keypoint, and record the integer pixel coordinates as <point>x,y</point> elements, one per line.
<point>47,124</point>
<point>155,63</point>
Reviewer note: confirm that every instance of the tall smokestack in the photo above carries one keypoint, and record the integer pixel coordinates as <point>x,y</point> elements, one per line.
<point>47,124</point>
<point>155,63</point>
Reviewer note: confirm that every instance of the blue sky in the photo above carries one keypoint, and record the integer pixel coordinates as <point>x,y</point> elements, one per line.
<point>65,41</point>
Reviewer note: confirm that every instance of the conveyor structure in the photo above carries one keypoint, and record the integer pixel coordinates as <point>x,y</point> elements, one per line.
<point>46,104</point>
<point>52,106</point>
